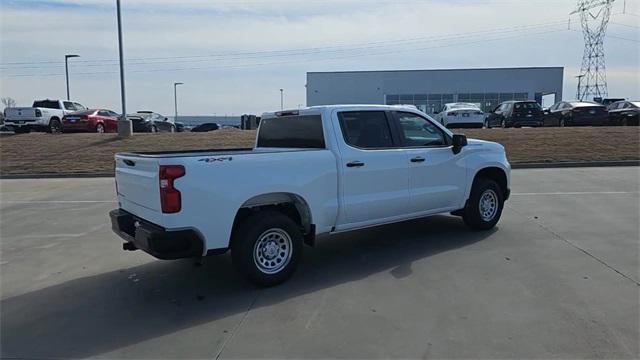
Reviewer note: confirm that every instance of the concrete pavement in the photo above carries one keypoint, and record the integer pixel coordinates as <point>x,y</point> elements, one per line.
<point>558,278</point>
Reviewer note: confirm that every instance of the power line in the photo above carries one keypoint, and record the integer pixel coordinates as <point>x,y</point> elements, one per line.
<point>237,66</point>
<point>287,52</point>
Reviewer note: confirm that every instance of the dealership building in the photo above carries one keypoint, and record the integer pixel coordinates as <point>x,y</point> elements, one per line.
<point>430,89</point>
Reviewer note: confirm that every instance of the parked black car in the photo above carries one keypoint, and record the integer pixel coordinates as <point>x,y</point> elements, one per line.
<point>206,127</point>
<point>624,113</point>
<point>515,114</point>
<point>572,113</point>
<point>148,121</point>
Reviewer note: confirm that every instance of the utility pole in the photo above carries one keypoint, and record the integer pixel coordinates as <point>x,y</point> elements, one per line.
<point>66,70</point>
<point>175,99</point>
<point>594,16</point>
<point>125,128</point>
<point>281,99</point>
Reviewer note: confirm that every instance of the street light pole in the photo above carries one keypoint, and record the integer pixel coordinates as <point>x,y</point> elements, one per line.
<point>281,99</point>
<point>175,99</point>
<point>124,125</point>
<point>66,70</point>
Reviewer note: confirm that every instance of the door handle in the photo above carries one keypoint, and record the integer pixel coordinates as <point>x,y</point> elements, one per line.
<point>355,164</point>
<point>418,159</point>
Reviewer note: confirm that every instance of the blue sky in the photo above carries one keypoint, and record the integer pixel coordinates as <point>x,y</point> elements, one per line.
<point>233,56</point>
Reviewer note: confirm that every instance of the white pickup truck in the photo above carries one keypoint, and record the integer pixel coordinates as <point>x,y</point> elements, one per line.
<point>314,171</point>
<point>44,115</point>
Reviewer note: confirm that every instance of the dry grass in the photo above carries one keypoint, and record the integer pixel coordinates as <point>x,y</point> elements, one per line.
<point>93,153</point>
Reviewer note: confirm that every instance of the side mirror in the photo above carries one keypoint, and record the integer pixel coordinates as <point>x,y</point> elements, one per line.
<point>459,141</point>
<point>166,119</point>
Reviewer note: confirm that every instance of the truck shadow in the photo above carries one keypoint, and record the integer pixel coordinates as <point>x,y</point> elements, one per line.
<point>97,314</point>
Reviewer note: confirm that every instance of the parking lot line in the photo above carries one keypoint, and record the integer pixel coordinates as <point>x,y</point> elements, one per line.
<point>578,193</point>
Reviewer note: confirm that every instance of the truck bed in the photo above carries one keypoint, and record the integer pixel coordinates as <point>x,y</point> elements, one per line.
<point>206,152</point>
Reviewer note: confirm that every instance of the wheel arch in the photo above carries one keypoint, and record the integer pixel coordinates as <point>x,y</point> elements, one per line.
<point>292,205</point>
<point>496,174</point>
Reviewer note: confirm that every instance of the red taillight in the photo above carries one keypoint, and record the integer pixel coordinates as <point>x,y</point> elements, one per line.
<point>170,199</point>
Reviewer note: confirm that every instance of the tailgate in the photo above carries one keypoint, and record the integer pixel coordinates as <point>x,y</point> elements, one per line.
<point>20,113</point>
<point>137,182</point>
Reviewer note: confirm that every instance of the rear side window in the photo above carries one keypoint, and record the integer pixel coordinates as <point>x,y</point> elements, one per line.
<point>69,105</point>
<point>47,104</point>
<point>366,129</point>
<point>292,132</point>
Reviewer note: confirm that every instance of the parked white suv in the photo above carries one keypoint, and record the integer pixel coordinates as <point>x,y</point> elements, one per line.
<point>44,115</point>
<point>314,171</point>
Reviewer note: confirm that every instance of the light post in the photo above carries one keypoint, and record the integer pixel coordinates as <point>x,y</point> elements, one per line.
<point>175,99</point>
<point>66,70</point>
<point>124,125</point>
<point>281,99</point>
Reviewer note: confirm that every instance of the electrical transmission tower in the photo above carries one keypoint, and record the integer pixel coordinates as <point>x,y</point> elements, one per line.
<point>594,17</point>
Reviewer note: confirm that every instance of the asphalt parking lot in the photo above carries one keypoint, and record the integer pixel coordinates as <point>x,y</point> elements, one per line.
<point>558,278</point>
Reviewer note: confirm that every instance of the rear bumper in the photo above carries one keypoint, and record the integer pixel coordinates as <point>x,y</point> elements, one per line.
<point>77,126</point>
<point>466,125</point>
<point>527,122</point>
<point>153,239</point>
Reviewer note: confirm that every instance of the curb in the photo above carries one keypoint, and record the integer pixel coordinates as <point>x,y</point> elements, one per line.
<point>541,165</point>
<point>575,164</point>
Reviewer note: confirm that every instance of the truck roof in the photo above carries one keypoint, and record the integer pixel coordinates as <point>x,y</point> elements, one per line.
<point>321,108</point>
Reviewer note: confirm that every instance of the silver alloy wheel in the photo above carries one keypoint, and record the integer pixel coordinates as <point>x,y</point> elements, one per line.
<point>272,252</point>
<point>488,205</point>
<point>100,128</point>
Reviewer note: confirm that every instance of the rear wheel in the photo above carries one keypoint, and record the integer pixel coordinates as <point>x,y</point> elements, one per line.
<point>266,247</point>
<point>485,204</point>
<point>55,127</point>
<point>100,129</point>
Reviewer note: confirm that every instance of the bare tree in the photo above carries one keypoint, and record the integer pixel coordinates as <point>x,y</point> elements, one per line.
<point>8,102</point>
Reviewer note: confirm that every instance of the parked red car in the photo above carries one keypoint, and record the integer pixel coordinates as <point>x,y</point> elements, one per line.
<point>93,120</point>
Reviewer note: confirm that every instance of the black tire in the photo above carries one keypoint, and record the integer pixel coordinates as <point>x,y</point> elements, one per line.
<point>55,126</point>
<point>472,215</point>
<point>269,228</point>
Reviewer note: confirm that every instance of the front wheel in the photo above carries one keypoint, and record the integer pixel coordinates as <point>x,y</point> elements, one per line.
<point>485,204</point>
<point>266,247</point>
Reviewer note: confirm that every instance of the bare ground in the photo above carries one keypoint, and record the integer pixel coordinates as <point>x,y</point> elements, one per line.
<point>93,153</point>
